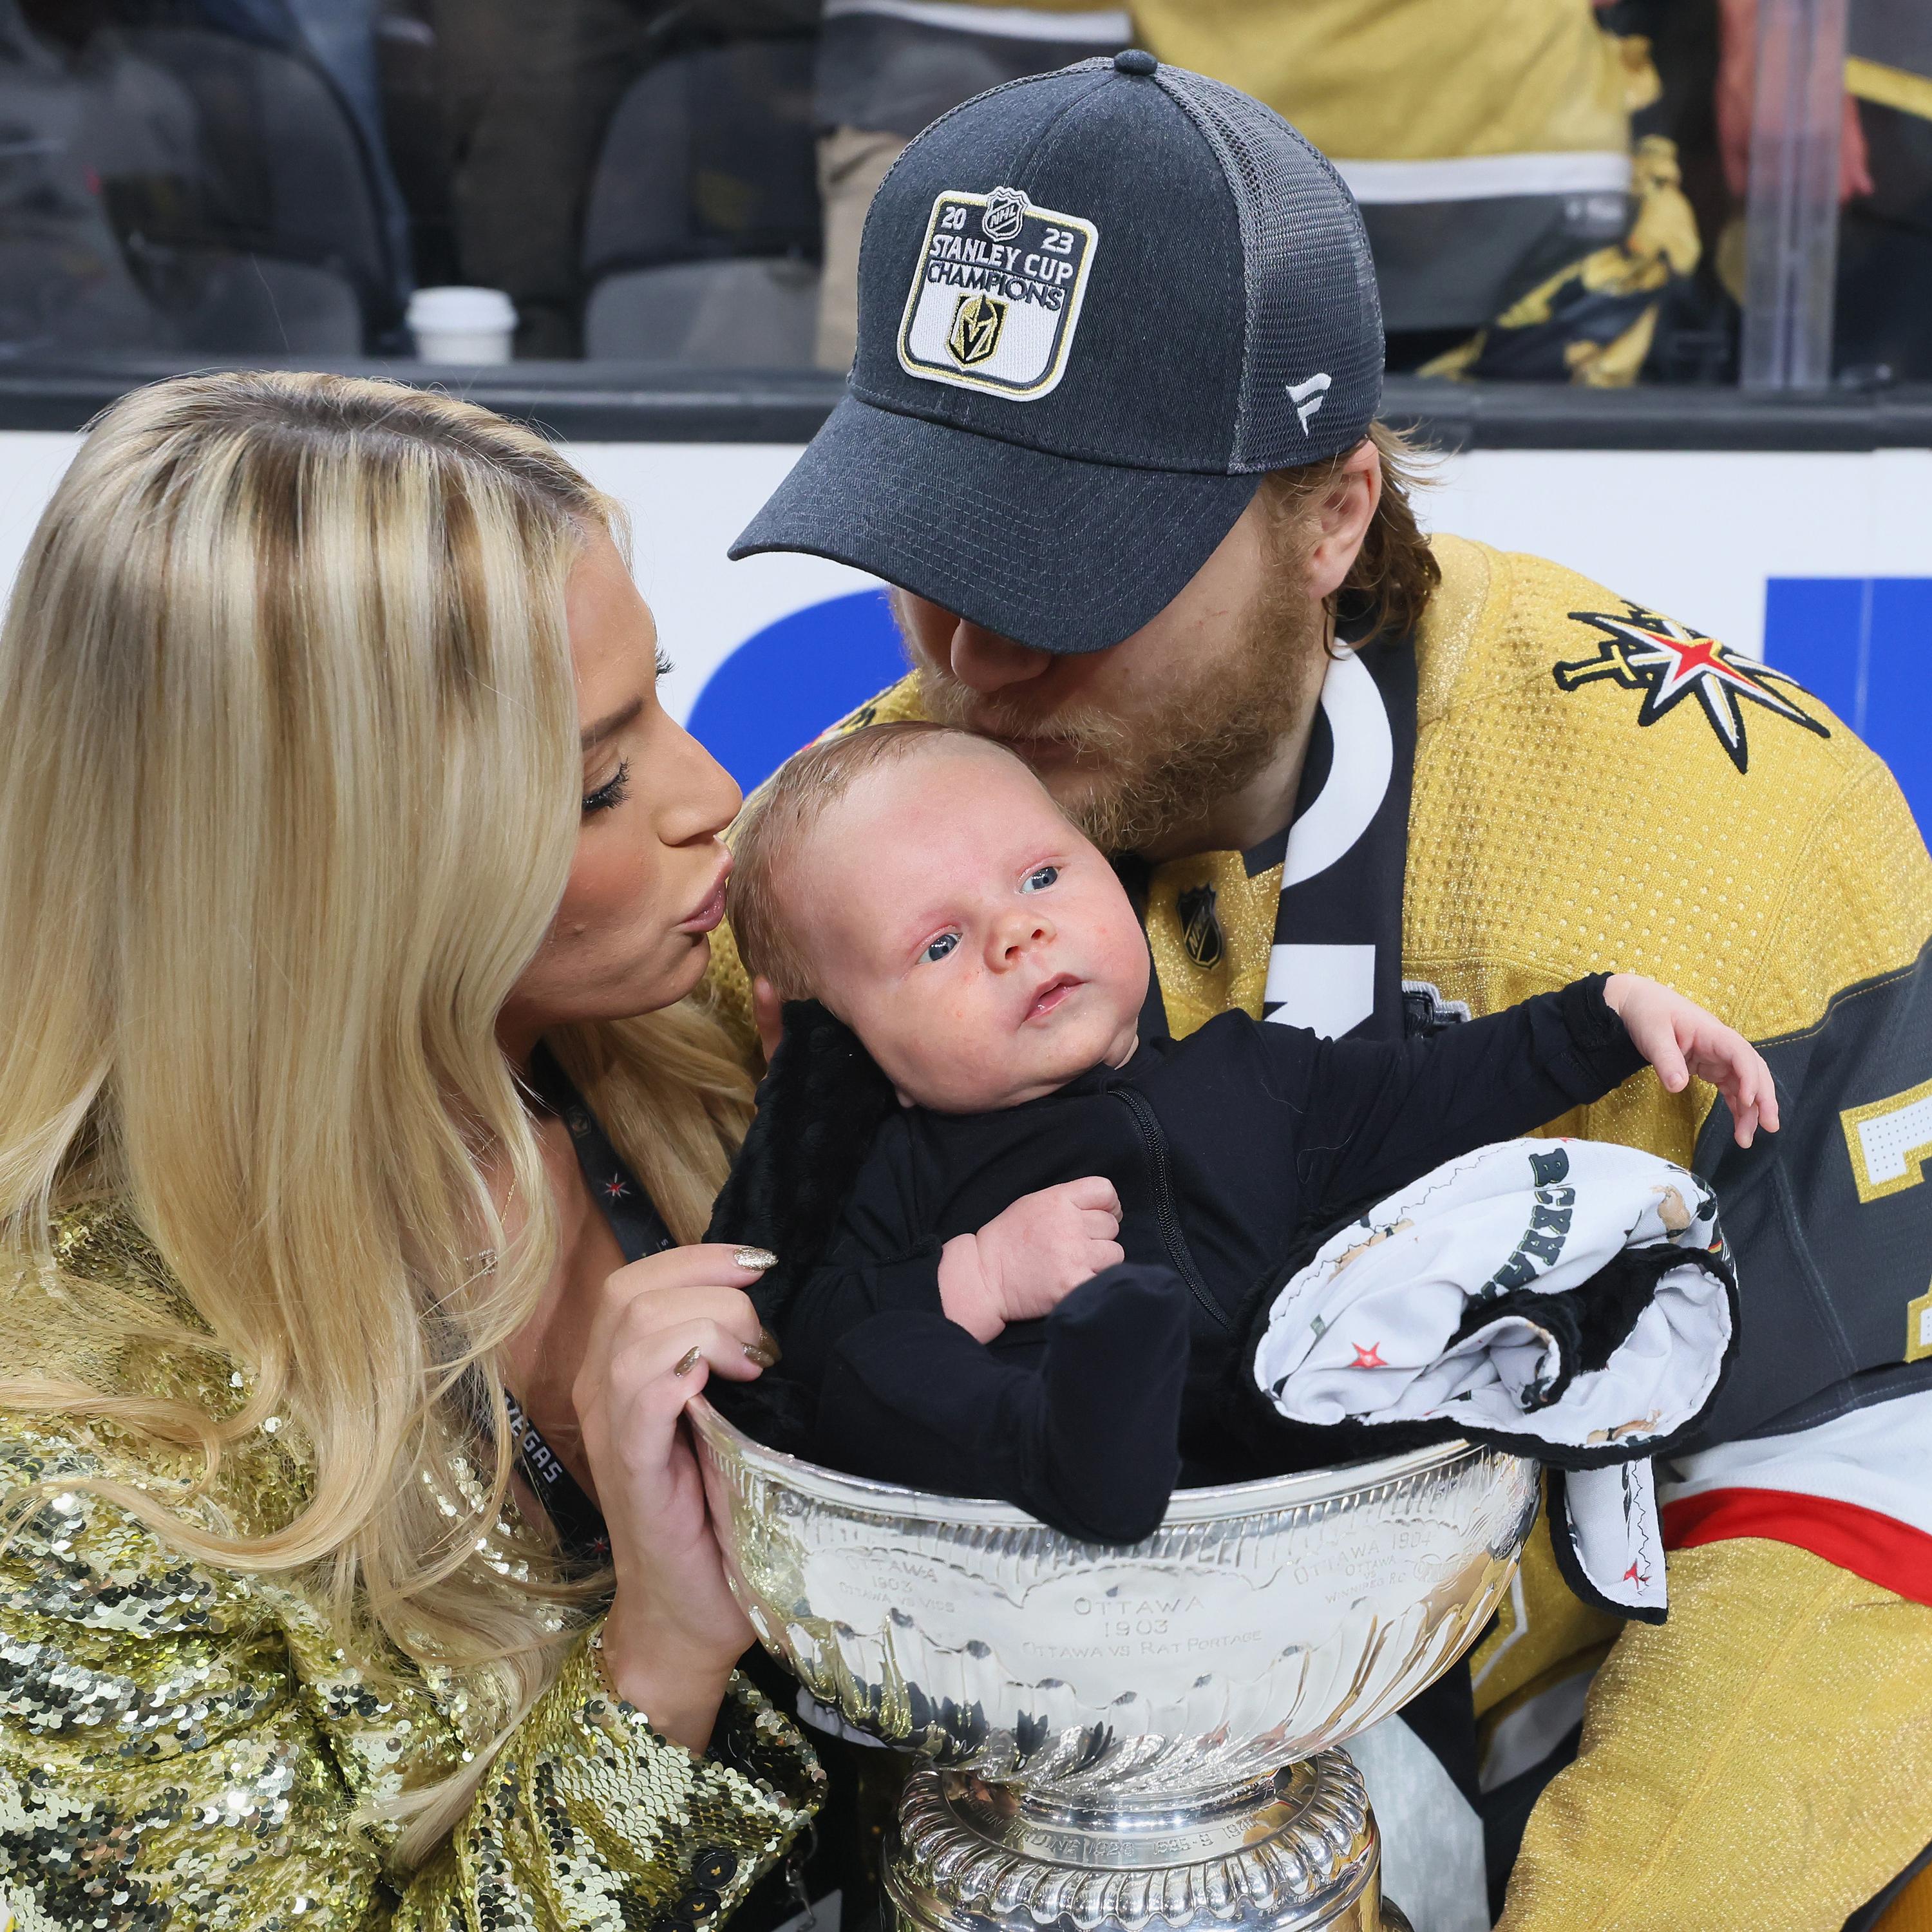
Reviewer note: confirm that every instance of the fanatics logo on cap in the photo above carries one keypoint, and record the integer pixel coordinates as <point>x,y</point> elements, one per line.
<point>1306,396</point>
<point>996,294</point>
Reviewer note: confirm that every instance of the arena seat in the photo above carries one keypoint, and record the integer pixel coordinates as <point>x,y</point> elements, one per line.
<point>716,315</point>
<point>244,201</point>
<point>701,233</point>
<point>65,285</point>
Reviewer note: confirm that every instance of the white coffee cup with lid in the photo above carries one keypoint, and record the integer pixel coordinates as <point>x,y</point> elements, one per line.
<point>458,325</point>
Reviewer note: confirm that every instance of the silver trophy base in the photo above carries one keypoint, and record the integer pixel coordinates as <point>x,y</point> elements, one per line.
<point>1296,1853</point>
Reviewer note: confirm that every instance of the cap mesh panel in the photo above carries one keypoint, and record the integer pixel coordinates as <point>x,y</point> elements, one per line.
<point>1312,304</point>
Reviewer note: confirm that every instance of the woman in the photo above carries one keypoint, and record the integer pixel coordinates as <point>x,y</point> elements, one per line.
<point>338,819</point>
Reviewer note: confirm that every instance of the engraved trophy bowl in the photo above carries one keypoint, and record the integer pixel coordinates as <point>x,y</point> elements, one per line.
<point>1120,1738</point>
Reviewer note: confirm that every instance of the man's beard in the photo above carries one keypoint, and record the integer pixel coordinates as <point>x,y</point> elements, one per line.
<point>1137,782</point>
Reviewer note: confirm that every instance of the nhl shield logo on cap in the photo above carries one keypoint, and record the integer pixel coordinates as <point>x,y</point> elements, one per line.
<point>996,294</point>
<point>1005,215</point>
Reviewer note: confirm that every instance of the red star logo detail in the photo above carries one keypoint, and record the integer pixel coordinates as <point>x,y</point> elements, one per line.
<point>1634,1575</point>
<point>616,1189</point>
<point>1370,1357</point>
<point>1669,662</point>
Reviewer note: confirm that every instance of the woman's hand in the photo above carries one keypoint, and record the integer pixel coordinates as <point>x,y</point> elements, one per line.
<point>665,1326</point>
<point>1680,1039</point>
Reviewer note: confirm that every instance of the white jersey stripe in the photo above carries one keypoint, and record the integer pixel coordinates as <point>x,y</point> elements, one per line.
<point>1879,1458</point>
<point>1110,30</point>
<point>1487,177</point>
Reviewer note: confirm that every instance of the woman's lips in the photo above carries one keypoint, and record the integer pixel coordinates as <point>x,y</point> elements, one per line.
<point>711,914</point>
<point>1052,995</point>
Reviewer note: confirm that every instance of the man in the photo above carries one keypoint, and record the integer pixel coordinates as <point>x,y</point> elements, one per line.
<point>1111,430</point>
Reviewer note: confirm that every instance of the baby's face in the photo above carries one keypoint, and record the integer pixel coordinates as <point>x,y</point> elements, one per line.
<point>982,948</point>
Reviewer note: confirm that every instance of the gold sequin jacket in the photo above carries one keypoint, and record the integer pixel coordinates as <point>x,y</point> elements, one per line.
<point>1761,1762</point>
<point>182,1746</point>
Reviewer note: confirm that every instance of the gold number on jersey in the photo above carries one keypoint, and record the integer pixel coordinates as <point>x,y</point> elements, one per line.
<point>1890,1142</point>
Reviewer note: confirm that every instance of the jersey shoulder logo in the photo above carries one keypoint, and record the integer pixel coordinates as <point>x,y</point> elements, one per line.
<point>1669,662</point>
<point>996,294</point>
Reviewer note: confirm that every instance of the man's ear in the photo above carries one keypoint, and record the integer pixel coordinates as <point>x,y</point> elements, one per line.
<point>1341,516</point>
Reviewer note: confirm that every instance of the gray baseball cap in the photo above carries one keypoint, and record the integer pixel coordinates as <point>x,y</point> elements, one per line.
<point>1094,307</point>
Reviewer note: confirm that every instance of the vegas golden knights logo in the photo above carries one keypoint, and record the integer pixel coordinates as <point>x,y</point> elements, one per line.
<point>976,323</point>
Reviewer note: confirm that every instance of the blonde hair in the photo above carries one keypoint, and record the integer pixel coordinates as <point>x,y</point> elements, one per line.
<point>288,792</point>
<point>779,817</point>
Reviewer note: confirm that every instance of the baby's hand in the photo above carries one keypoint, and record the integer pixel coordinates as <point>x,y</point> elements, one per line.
<point>1023,1262</point>
<point>1679,1039</point>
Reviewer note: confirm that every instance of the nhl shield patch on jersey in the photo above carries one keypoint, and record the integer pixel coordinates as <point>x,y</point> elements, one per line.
<point>995,297</point>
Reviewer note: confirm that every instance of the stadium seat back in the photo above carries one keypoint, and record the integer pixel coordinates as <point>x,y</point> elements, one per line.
<point>744,314</point>
<point>249,207</point>
<point>65,285</point>
<point>709,156</point>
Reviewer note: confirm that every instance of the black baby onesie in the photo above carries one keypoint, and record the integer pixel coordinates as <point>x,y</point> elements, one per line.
<point>1230,1149</point>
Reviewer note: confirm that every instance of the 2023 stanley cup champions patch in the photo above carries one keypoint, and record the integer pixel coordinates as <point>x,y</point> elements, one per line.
<point>995,297</point>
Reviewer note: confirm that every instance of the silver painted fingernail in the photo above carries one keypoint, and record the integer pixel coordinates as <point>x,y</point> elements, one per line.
<point>689,1360</point>
<point>755,1257</point>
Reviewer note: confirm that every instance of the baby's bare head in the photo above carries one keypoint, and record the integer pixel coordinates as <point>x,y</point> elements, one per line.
<point>919,880</point>
<point>771,898</point>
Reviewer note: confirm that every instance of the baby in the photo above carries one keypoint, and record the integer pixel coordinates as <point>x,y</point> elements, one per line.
<point>942,1201</point>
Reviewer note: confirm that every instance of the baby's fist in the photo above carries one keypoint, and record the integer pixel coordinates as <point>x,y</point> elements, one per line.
<point>1023,1262</point>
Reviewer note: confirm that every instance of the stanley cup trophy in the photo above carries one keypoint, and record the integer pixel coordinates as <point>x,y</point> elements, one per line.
<point>1121,1739</point>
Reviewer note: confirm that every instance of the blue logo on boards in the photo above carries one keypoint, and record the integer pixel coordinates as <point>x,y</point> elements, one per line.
<point>1863,645</point>
<point>784,684</point>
